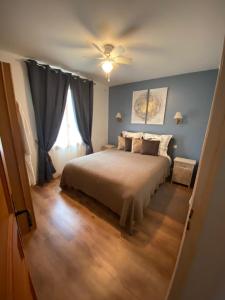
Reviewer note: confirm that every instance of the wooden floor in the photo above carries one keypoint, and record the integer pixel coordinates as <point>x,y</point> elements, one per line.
<point>79,252</point>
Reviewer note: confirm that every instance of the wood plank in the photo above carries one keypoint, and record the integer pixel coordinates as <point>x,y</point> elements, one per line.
<point>79,252</point>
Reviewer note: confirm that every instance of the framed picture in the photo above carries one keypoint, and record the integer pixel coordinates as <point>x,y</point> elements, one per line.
<point>148,106</point>
<point>156,106</point>
<point>139,105</point>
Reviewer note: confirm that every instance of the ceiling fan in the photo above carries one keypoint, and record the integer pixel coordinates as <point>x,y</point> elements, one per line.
<point>111,56</point>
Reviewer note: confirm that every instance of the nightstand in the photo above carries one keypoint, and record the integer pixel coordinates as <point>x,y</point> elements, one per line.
<point>183,170</point>
<point>108,146</point>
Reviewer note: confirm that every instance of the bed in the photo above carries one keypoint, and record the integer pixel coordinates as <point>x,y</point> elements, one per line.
<point>122,181</point>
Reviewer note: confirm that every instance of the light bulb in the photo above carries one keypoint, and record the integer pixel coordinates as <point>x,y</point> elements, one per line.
<point>107,66</point>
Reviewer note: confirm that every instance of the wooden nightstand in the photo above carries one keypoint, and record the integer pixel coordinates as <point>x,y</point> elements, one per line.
<point>183,170</point>
<point>108,146</point>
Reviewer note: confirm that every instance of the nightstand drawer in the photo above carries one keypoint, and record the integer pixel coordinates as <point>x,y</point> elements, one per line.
<point>182,175</point>
<point>182,170</point>
<point>183,165</point>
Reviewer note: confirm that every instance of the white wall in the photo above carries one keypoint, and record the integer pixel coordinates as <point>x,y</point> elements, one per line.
<point>100,116</point>
<point>23,96</point>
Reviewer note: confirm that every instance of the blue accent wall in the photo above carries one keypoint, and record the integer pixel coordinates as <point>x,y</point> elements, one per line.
<point>191,94</point>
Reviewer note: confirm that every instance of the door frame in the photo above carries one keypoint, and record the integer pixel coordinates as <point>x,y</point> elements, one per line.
<point>210,164</point>
<point>13,150</point>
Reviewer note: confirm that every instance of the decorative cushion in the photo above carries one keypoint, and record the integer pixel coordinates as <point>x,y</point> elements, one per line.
<point>150,147</point>
<point>164,141</point>
<point>121,143</point>
<point>128,144</point>
<point>136,145</point>
<point>130,134</point>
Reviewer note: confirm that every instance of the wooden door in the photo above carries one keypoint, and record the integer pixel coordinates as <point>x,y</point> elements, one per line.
<point>199,272</point>
<point>13,150</point>
<point>15,282</point>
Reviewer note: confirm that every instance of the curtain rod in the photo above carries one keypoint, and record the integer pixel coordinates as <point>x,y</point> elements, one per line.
<point>43,64</point>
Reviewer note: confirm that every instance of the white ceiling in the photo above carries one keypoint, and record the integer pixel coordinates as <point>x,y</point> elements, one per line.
<point>162,37</point>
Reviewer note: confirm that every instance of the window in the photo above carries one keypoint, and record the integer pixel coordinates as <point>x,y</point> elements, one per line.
<point>69,134</point>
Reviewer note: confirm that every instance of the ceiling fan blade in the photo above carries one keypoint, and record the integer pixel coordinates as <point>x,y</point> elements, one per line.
<point>129,30</point>
<point>98,48</point>
<point>93,56</point>
<point>118,50</point>
<point>122,60</point>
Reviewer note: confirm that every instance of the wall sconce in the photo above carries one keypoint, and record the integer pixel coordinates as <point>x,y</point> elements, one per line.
<point>118,117</point>
<point>178,117</point>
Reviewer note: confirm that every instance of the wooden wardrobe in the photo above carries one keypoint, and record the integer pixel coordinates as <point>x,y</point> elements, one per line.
<point>16,209</point>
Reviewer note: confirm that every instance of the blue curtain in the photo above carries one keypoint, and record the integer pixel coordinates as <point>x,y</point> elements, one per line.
<point>49,90</point>
<point>82,93</point>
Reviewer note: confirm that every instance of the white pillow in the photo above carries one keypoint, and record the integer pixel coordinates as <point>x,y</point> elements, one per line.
<point>164,141</point>
<point>136,135</point>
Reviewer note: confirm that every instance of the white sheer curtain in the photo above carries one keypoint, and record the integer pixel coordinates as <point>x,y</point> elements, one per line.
<point>69,143</point>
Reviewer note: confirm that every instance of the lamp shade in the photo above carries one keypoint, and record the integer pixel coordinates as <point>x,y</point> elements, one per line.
<point>118,116</point>
<point>178,117</point>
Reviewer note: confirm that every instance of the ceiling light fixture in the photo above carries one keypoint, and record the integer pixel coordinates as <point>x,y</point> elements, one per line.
<point>107,67</point>
<point>111,56</point>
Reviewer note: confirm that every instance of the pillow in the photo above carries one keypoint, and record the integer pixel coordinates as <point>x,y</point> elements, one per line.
<point>130,134</point>
<point>150,147</point>
<point>136,145</point>
<point>128,144</point>
<point>164,141</point>
<point>121,143</point>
